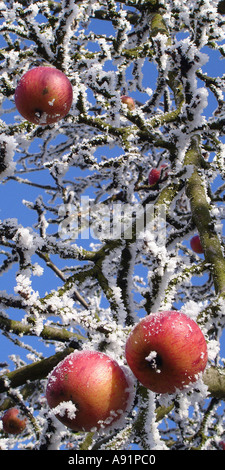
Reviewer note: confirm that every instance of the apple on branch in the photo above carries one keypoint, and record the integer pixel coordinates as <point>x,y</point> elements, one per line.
<point>12,423</point>
<point>89,390</point>
<point>155,174</point>
<point>196,244</point>
<point>166,351</point>
<point>128,101</point>
<point>44,95</point>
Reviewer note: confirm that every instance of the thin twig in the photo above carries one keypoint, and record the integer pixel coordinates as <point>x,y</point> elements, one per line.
<point>50,264</point>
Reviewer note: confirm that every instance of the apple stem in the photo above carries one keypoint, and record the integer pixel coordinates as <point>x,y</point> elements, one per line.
<point>154,361</point>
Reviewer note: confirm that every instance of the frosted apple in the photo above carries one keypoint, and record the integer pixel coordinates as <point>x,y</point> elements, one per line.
<point>166,351</point>
<point>93,382</point>
<point>128,101</point>
<point>43,95</point>
<point>12,423</point>
<point>154,176</point>
<point>156,173</point>
<point>196,244</point>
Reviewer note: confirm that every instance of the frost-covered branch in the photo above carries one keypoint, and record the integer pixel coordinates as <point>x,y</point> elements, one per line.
<point>92,246</point>
<point>31,372</point>
<point>201,213</point>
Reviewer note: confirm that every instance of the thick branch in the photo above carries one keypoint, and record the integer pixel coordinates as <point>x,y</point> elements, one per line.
<point>214,378</point>
<point>48,332</point>
<point>202,218</point>
<point>36,371</point>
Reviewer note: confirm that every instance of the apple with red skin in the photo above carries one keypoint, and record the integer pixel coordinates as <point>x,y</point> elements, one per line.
<point>196,244</point>
<point>97,385</point>
<point>155,174</point>
<point>128,101</point>
<point>12,424</point>
<point>44,95</point>
<point>166,351</point>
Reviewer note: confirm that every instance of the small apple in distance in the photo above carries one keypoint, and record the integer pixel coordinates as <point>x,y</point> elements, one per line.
<point>12,424</point>
<point>43,95</point>
<point>166,351</point>
<point>196,244</point>
<point>96,384</point>
<point>128,101</point>
<point>155,174</point>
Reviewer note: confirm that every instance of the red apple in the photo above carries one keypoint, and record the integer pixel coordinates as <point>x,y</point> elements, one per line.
<point>196,244</point>
<point>97,386</point>
<point>43,95</point>
<point>155,174</point>
<point>128,101</point>
<point>166,351</point>
<point>12,424</point>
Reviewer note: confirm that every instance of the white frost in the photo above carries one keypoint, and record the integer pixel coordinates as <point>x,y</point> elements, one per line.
<point>8,147</point>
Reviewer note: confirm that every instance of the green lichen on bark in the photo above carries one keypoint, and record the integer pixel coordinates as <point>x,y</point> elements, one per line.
<point>201,214</point>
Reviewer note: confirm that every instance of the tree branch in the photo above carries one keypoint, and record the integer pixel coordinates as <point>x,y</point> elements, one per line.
<point>76,294</point>
<point>202,218</point>
<point>47,333</point>
<point>36,371</point>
